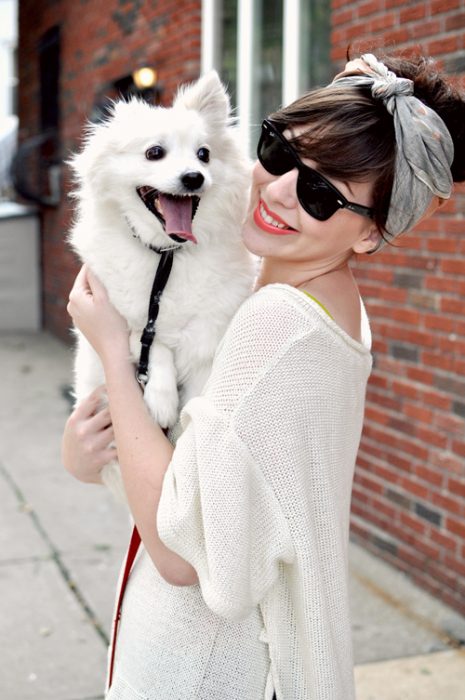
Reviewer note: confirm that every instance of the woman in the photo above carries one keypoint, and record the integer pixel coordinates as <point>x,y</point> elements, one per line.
<point>241,590</point>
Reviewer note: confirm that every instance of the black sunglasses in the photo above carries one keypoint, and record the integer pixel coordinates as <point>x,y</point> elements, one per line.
<point>317,195</point>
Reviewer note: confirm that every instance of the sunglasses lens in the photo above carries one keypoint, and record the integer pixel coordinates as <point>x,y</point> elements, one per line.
<point>315,196</point>
<point>272,153</point>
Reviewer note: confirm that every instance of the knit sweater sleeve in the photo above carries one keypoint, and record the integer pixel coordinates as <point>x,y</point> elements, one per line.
<point>217,509</point>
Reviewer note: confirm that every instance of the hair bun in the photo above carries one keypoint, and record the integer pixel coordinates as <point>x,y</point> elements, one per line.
<point>437,91</point>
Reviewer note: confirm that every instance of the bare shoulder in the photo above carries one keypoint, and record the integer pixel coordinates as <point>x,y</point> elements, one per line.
<point>339,294</point>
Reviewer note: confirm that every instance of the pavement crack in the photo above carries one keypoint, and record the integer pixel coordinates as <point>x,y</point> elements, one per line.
<point>55,555</point>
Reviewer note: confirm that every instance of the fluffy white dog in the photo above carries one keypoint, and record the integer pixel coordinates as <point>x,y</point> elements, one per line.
<point>152,178</point>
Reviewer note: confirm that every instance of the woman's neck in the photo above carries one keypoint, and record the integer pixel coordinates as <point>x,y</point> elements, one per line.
<point>293,273</point>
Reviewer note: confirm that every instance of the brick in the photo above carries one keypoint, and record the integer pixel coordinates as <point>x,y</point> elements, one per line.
<point>402,351</point>
<point>413,523</point>
<point>428,514</point>
<point>455,21</point>
<point>398,498</point>
<point>448,504</point>
<point>441,323</point>
<point>373,413</point>
<point>392,403</point>
<point>370,485</point>
<point>442,284</point>
<point>398,36</point>
<point>432,359</point>
<point>436,478</point>
<point>368,8</point>
<point>458,407</point>
<point>441,245</point>
<point>452,305</point>
<point>457,487</point>
<point>408,280</point>
<point>382,507</point>
<point>445,541</point>
<point>381,22</point>
<point>431,437</point>
<point>436,399</point>
<point>448,461</point>
<point>415,488</point>
<point>449,424</point>
<point>453,564</point>
<point>413,13</point>
<point>428,550</point>
<point>423,300</point>
<point>451,266</point>
<point>402,426</point>
<point>378,381</point>
<point>384,544</point>
<point>342,17</point>
<point>439,6</point>
<point>425,29</point>
<point>417,412</point>
<point>450,384</point>
<point>458,447</point>
<point>401,462</point>
<point>411,557</point>
<point>405,389</point>
<point>456,526</point>
<point>443,46</point>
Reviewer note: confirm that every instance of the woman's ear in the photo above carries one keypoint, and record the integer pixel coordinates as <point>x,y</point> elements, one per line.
<point>368,241</point>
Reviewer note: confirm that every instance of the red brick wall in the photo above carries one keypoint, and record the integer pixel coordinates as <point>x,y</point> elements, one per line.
<point>409,493</point>
<point>100,42</point>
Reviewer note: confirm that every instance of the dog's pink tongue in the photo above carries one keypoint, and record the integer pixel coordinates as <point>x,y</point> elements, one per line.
<point>177,212</point>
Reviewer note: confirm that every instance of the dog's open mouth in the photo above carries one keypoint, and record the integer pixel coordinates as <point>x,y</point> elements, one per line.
<point>175,213</point>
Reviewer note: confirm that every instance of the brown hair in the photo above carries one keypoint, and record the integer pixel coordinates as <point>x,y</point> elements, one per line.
<point>351,135</point>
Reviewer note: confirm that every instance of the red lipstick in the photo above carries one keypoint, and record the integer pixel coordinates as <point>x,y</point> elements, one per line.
<point>269,228</point>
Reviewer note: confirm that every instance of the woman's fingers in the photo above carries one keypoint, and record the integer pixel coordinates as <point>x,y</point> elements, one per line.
<point>91,404</point>
<point>108,455</point>
<point>100,420</point>
<point>103,439</point>
<point>94,284</point>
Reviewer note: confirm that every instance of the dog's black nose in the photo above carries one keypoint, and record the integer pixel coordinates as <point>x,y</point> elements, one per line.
<point>192,181</point>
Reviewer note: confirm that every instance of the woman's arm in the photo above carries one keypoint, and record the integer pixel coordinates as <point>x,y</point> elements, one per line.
<point>144,452</point>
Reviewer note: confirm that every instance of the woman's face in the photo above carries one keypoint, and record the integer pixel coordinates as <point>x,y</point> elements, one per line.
<point>277,226</point>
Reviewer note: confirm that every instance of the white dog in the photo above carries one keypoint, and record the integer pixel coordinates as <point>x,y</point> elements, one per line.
<point>150,178</point>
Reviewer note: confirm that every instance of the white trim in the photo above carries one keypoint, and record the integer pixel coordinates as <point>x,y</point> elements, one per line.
<point>245,67</point>
<point>291,50</point>
<point>208,35</point>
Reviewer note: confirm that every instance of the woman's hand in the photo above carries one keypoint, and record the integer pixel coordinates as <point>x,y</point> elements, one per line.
<point>95,316</point>
<point>87,438</point>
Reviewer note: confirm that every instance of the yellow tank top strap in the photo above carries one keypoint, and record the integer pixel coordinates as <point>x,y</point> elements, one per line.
<point>318,302</point>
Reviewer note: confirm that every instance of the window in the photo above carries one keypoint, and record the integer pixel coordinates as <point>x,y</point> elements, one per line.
<point>268,52</point>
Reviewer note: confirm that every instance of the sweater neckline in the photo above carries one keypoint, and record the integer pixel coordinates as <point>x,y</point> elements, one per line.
<point>307,301</point>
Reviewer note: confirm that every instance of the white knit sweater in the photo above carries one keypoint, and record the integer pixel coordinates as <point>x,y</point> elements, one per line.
<point>257,499</point>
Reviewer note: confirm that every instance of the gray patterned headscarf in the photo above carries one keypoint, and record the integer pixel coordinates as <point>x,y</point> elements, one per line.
<point>424,152</point>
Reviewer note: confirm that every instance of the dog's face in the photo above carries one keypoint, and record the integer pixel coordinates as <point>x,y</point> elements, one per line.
<point>153,165</point>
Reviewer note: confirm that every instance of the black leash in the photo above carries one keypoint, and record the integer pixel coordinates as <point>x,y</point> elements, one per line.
<point>148,334</point>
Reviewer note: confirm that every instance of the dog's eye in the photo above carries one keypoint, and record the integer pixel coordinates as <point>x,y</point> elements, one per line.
<point>203,154</point>
<point>154,153</point>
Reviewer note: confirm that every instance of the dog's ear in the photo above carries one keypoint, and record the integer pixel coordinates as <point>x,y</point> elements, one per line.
<point>207,96</point>
<point>99,137</point>
<point>93,147</point>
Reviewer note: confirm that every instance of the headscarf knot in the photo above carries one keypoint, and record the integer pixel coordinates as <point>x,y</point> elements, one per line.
<point>424,147</point>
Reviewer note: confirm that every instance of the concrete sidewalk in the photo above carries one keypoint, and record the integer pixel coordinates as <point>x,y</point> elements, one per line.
<point>61,544</point>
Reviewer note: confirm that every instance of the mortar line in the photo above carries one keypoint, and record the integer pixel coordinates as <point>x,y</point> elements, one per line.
<point>55,556</point>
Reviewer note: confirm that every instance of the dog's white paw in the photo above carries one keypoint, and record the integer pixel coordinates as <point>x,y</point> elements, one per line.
<point>162,403</point>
